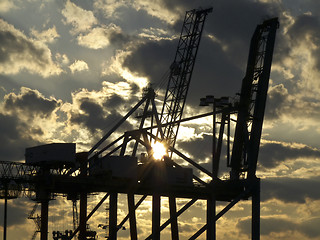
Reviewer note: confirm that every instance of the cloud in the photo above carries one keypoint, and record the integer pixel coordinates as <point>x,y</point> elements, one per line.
<point>297,56</point>
<point>27,119</point>
<point>222,53</point>
<point>62,58</point>
<point>30,102</point>
<point>275,153</point>
<point>46,36</point>
<point>115,67</point>
<point>17,212</point>
<point>15,137</point>
<point>78,66</point>
<point>7,5</point>
<point>103,36</point>
<point>284,227</point>
<point>90,32</point>
<point>109,7</point>
<point>92,116</point>
<point>290,190</point>
<point>98,111</point>
<point>18,52</point>
<point>151,59</point>
<point>81,19</point>
<point>192,146</point>
<point>277,100</point>
<point>158,9</point>
<point>290,106</point>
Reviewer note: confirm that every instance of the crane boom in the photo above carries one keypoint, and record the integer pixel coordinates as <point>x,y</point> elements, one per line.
<point>181,72</point>
<point>253,99</point>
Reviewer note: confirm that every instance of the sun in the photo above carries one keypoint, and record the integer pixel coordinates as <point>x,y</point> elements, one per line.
<point>159,150</point>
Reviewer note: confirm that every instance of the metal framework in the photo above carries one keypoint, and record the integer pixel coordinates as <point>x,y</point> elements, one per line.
<point>252,100</point>
<point>151,179</point>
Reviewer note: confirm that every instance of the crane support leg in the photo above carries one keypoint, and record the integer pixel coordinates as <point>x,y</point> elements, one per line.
<point>44,219</point>
<point>83,216</point>
<point>174,219</point>
<point>5,213</point>
<point>156,213</point>
<point>256,211</point>
<point>132,217</point>
<point>211,223</point>
<point>82,158</point>
<point>182,210</point>
<point>113,216</point>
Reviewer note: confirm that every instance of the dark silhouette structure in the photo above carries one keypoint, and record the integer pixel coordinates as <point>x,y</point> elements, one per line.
<point>127,164</point>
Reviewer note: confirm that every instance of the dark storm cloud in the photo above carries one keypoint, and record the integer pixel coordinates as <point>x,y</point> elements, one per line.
<point>95,117</point>
<point>308,228</point>
<point>306,28</point>
<point>211,74</point>
<point>233,23</point>
<point>17,133</point>
<point>15,137</point>
<point>199,148</point>
<point>277,100</point>
<point>152,59</point>
<point>282,103</point>
<point>13,44</point>
<point>181,6</point>
<point>30,102</point>
<point>19,52</point>
<point>221,63</point>
<point>302,31</point>
<point>273,154</point>
<point>17,212</point>
<point>290,189</point>
<point>119,39</point>
<point>113,102</point>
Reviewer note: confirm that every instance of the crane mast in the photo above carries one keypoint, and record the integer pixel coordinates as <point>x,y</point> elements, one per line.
<point>181,72</point>
<point>252,100</point>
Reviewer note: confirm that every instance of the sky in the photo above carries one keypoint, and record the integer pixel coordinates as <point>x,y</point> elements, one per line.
<point>70,69</point>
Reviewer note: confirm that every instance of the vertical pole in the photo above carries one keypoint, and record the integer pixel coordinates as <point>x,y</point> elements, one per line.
<point>82,158</point>
<point>213,138</point>
<point>5,212</point>
<point>132,217</point>
<point>174,219</point>
<point>113,216</point>
<point>211,222</point>
<point>83,216</point>
<point>256,210</point>
<point>211,202</point>
<point>44,219</point>
<point>156,213</point>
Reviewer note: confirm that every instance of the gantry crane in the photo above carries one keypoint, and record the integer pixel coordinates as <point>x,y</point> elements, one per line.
<point>143,175</point>
<point>175,97</point>
<point>250,113</point>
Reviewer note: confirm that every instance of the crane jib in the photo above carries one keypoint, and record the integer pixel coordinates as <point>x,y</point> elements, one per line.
<point>181,72</point>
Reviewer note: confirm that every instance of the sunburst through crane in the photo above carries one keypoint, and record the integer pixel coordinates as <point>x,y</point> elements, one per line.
<point>124,164</point>
<point>158,150</point>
